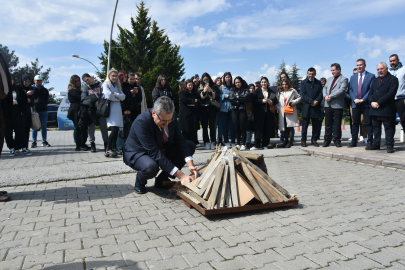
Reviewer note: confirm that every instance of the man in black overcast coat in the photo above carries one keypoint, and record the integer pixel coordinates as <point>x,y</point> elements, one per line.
<point>311,96</point>
<point>382,97</point>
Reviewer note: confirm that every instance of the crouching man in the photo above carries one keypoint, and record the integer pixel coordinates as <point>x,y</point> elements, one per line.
<point>155,141</point>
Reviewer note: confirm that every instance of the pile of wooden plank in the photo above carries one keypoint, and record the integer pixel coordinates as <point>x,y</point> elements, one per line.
<point>235,179</point>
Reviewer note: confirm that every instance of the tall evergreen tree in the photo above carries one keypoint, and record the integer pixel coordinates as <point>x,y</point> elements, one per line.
<point>295,80</point>
<point>145,49</point>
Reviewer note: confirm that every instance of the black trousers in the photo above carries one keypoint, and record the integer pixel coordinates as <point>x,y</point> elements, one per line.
<point>208,117</point>
<point>262,137</point>
<point>400,106</point>
<point>389,126</point>
<point>356,118</point>
<point>112,138</point>
<point>333,117</point>
<point>305,124</point>
<point>147,168</point>
<point>17,126</point>
<point>288,131</point>
<point>239,119</point>
<point>27,130</point>
<point>190,136</point>
<point>80,135</point>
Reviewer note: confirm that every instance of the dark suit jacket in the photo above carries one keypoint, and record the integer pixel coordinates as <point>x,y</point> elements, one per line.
<point>145,138</point>
<point>365,87</point>
<point>384,94</point>
<point>309,94</point>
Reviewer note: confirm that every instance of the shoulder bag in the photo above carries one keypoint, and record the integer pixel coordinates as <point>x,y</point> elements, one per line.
<point>35,122</point>
<point>103,107</point>
<point>287,108</point>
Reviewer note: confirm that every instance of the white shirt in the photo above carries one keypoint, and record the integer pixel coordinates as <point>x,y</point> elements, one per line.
<point>175,169</point>
<point>362,78</point>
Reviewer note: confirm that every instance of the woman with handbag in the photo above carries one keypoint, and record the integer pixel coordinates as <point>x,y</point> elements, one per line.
<point>239,97</point>
<point>188,111</point>
<point>264,101</point>
<point>74,113</point>
<point>112,91</point>
<point>18,124</point>
<point>288,98</point>
<point>209,108</point>
<point>226,110</point>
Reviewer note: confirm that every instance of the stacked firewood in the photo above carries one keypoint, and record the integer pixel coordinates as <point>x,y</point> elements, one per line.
<point>234,179</point>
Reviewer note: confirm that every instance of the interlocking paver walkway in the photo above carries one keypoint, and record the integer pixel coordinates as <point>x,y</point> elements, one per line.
<point>350,216</point>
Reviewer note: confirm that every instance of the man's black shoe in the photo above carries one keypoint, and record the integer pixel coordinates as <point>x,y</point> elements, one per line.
<point>375,147</point>
<point>140,190</point>
<point>326,144</point>
<point>390,150</point>
<point>93,147</point>
<point>368,146</point>
<point>303,144</point>
<point>338,144</point>
<point>352,144</point>
<point>84,147</point>
<point>314,143</point>
<point>77,148</point>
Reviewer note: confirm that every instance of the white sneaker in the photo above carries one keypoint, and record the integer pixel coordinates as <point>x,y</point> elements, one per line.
<point>26,152</point>
<point>242,148</point>
<point>228,145</point>
<point>265,148</point>
<point>213,146</point>
<point>350,139</point>
<point>198,145</point>
<point>361,139</point>
<point>365,140</point>
<point>12,153</point>
<point>207,146</point>
<point>254,148</point>
<point>238,146</point>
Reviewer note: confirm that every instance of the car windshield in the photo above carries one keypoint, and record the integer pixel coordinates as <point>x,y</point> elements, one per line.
<point>53,108</point>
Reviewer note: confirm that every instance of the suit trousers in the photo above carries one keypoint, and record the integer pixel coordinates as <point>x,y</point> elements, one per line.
<point>400,106</point>
<point>363,126</point>
<point>389,126</point>
<point>208,119</point>
<point>356,118</point>
<point>333,117</point>
<point>147,168</point>
<point>305,124</point>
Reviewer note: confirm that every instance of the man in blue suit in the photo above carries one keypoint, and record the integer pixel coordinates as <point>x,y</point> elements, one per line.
<point>359,89</point>
<point>382,98</point>
<point>155,141</point>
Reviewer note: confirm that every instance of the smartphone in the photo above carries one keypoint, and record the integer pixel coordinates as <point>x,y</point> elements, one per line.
<point>196,76</point>
<point>206,84</point>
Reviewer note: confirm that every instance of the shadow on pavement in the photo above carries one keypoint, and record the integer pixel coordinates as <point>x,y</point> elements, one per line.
<point>119,264</point>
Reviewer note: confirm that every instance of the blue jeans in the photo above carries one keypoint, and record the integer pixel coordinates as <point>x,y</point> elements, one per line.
<point>218,126</point>
<point>43,118</point>
<point>227,124</point>
<point>249,136</point>
<point>120,142</point>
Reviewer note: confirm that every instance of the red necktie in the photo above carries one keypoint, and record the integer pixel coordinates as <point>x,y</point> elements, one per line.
<point>359,87</point>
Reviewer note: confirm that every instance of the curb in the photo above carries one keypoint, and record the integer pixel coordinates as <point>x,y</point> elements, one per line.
<point>357,159</point>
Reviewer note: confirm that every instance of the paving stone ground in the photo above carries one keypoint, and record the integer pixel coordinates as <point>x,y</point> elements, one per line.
<point>350,216</point>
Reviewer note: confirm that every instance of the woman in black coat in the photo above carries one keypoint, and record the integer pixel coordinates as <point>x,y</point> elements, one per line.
<point>18,124</point>
<point>188,113</point>
<point>239,97</point>
<point>131,106</point>
<point>264,101</point>
<point>208,111</point>
<point>162,88</point>
<point>74,113</point>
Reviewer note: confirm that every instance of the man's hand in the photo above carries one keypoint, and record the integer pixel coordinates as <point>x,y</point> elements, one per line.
<point>358,101</point>
<point>315,102</point>
<point>134,91</point>
<point>327,99</point>
<point>264,100</point>
<point>14,102</point>
<point>375,105</point>
<point>182,177</point>
<point>194,171</point>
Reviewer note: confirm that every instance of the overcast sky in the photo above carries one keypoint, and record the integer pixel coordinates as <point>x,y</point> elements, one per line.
<point>247,38</point>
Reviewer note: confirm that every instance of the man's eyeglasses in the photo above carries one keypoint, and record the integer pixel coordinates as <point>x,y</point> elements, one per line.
<point>164,121</point>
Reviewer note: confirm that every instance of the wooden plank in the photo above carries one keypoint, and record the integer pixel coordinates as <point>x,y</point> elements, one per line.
<point>275,193</point>
<point>207,183</point>
<point>224,184</point>
<point>245,192</point>
<point>228,197</point>
<point>208,167</point>
<point>264,175</point>
<point>255,185</point>
<point>210,170</point>
<point>237,161</point>
<point>268,193</point>
<point>232,177</point>
<point>251,156</point>
<point>190,197</point>
<point>228,210</point>
<point>191,187</point>
<point>215,188</point>
<point>203,202</point>
<point>205,193</point>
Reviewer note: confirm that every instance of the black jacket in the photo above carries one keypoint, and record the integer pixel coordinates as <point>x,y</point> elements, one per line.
<point>159,92</point>
<point>206,98</point>
<point>384,94</point>
<point>145,138</point>
<point>263,117</point>
<point>188,118</point>
<point>309,93</point>
<point>42,98</point>
<point>74,98</point>
<point>239,98</point>
<point>132,102</point>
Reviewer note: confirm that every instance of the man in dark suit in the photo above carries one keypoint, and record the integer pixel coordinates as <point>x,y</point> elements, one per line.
<point>155,141</point>
<point>311,95</point>
<point>359,88</point>
<point>382,98</point>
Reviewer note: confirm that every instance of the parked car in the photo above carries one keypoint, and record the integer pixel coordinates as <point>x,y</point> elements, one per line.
<point>52,115</point>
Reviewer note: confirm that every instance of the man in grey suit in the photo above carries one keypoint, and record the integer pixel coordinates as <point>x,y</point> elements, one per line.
<point>334,94</point>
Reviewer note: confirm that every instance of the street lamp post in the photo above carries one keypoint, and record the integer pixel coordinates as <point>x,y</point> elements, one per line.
<point>109,45</point>
<point>76,56</point>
